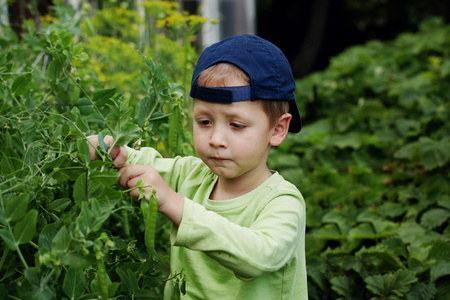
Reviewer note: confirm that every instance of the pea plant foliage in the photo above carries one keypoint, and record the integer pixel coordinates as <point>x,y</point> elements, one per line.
<point>68,231</point>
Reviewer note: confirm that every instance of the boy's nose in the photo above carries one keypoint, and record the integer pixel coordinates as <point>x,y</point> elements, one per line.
<point>217,139</point>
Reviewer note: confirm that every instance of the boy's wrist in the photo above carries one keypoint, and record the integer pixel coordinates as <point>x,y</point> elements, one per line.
<point>173,208</point>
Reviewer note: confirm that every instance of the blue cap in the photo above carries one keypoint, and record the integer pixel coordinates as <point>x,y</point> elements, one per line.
<point>269,71</point>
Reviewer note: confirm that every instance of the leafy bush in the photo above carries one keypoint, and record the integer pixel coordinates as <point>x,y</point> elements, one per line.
<point>66,229</point>
<point>373,165</point>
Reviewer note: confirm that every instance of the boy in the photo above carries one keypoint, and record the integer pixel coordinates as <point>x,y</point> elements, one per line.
<point>238,227</point>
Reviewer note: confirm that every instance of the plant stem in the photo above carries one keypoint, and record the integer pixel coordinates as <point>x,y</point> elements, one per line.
<point>5,254</point>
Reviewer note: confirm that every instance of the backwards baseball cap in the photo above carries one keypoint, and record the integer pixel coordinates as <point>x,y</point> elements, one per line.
<point>269,71</point>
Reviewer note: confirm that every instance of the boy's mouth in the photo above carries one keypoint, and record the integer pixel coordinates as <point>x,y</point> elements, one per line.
<point>219,158</point>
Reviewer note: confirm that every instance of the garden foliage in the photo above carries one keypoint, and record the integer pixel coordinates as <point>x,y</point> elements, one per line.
<point>372,160</point>
<point>66,229</point>
<point>373,165</point>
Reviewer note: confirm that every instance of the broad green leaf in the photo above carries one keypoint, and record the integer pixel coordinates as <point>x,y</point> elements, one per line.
<point>133,281</point>
<point>32,289</point>
<point>54,70</point>
<point>99,216</point>
<point>392,285</point>
<point>80,189</point>
<point>124,279</point>
<point>362,231</point>
<point>144,110</point>
<point>3,219</point>
<point>25,229</point>
<point>434,153</point>
<point>59,205</point>
<point>101,97</point>
<point>346,140</point>
<point>83,151</point>
<point>10,163</point>
<point>440,250</point>
<point>422,291</point>
<point>107,178</point>
<point>16,208</point>
<point>110,198</point>
<point>439,270</point>
<point>8,238</point>
<point>328,232</point>
<point>127,132</point>
<point>85,106</point>
<point>378,260</point>
<point>61,241</point>
<point>21,84</point>
<point>345,286</point>
<point>46,236</point>
<point>435,217</point>
<point>409,151</point>
<point>76,260</point>
<point>74,282</point>
<point>96,118</point>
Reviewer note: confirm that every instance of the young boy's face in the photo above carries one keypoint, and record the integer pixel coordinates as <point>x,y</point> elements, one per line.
<point>232,139</point>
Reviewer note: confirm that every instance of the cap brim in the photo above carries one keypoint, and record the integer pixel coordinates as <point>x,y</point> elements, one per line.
<point>296,122</point>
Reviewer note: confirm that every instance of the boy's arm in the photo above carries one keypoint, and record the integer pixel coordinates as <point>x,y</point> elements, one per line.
<point>266,246</point>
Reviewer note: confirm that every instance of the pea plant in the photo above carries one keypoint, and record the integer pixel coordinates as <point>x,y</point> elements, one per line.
<point>67,230</point>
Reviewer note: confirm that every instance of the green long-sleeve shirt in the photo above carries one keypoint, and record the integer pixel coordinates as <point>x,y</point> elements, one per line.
<point>250,247</point>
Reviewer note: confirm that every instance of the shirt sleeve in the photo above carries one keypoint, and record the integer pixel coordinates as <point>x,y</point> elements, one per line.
<point>172,170</point>
<point>265,247</point>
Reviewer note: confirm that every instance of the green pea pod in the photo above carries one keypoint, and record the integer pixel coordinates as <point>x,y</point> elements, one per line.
<point>101,278</point>
<point>176,292</point>
<point>150,213</point>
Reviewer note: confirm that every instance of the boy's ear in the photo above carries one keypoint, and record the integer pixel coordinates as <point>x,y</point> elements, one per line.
<point>281,129</point>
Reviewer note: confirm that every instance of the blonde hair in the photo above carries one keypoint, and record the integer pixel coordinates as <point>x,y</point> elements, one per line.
<point>225,74</point>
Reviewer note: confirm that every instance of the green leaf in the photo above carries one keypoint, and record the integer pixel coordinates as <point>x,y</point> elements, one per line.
<point>133,281</point>
<point>124,279</point>
<point>434,153</point>
<point>101,97</point>
<point>435,217</point>
<point>25,229</point>
<point>328,232</point>
<point>80,189</point>
<point>347,140</point>
<point>409,151</point>
<point>392,285</point>
<point>46,236</point>
<point>345,286</point>
<point>362,231</point>
<point>85,106</point>
<point>16,208</point>
<point>105,177</point>
<point>21,84</point>
<point>59,205</point>
<point>74,282</point>
<point>10,163</point>
<point>144,110</point>
<point>83,151</point>
<point>422,291</point>
<point>439,270</point>
<point>54,70</point>
<point>97,118</point>
<point>8,238</point>
<point>61,241</point>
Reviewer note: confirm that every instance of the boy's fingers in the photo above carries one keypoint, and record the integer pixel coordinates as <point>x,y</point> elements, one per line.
<point>128,172</point>
<point>93,139</point>
<point>119,156</point>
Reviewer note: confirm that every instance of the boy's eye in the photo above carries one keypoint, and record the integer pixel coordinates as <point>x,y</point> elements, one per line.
<point>237,125</point>
<point>203,122</point>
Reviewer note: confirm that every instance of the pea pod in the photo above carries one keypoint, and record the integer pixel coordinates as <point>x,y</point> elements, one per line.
<point>101,278</point>
<point>150,213</point>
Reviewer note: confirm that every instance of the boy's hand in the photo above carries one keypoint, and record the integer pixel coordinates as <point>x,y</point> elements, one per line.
<point>170,202</point>
<point>118,154</point>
